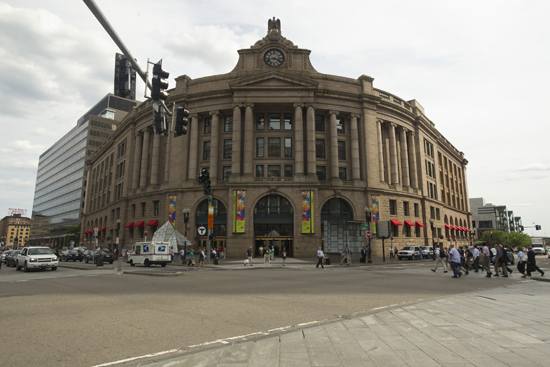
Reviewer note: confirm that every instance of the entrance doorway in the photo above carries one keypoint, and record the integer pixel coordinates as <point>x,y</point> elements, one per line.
<point>278,244</point>
<point>274,225</point>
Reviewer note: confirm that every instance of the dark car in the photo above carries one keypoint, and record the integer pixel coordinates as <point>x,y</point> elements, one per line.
<point>106,254</point>
<point>73,255</point>
<point>11,257</point>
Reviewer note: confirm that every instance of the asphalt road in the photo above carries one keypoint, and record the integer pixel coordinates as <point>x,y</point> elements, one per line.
<point>74,317</point>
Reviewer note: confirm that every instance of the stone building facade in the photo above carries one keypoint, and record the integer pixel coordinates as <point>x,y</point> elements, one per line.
<point>306,149</point>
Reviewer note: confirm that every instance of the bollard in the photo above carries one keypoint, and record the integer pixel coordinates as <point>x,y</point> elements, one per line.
<point>99,261</point>
<point>119,265</point>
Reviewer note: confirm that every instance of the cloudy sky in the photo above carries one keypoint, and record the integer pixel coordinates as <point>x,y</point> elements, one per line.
<point>479,68</point>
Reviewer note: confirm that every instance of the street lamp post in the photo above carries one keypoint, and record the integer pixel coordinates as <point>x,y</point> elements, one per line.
<point>368,215</point>
<point>185,212</point>
<point>119,258</point>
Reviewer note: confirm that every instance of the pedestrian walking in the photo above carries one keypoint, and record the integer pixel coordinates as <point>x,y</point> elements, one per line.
<point>364,254</point>
<point>320,256</point>
<point>439,260</point>
<point>532,263</point>
<point>182,256</point>
<point>522,261</point>
<point>447,257</point>
<point>487,261</point>
<point>500,262</point>
<point>202,256</point>
<point>476,259</point>
<point>391,254</point>
<point>345,255</point>
<point>191,260</point>
<point>249,255</point>
<point>261,251</point>
<point>284,255</point>
<point>454,258</point>
<point>272,253</point>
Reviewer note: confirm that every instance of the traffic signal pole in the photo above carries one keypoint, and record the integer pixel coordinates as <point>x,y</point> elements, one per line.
<point>209,232</point>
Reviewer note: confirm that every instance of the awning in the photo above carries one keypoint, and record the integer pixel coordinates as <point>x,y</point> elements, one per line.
<point>409,223</point>
<point>141,223</point>
<point>129,225</point>
<point>448,226</point>
<point>102,229</point>
<point>395,222</point>
<point>86,231</point>
<point>153,223</point>
<point>462,229</point>
<point>420,224</point>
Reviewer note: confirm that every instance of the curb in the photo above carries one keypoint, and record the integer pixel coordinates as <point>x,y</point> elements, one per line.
<point>176,274</point>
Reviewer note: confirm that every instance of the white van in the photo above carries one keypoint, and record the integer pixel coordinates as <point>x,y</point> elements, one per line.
<point>148,253</point>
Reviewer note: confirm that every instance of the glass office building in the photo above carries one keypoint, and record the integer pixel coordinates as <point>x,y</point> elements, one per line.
<point>60,176</point>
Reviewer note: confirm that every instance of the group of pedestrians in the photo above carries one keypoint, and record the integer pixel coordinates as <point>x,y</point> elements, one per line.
<point>463,259</point>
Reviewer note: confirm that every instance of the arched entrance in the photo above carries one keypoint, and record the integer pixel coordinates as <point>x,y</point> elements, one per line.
<point>274,224</point>
<point>220,224</point>
<point>342,229</point>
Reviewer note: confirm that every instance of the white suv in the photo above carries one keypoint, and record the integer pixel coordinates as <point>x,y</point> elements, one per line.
<point>36,257</point>
<point>409,252</point>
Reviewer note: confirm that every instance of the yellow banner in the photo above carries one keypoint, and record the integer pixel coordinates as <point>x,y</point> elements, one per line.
<point>239,197</point>
<point>307,212</point>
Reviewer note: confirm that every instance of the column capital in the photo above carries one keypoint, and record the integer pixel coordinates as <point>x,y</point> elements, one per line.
<point>139,133</point>
<point>298,105</point>
<point>214,113</point>
<point>413,133</point>
<point>380,121</point>
<point>246,105</point>
<point>333,113</point>
<point>195,115</point>
<point>405,129</point>
<point>393,124</point>
<point>355,115</point>
<point>237,105</point>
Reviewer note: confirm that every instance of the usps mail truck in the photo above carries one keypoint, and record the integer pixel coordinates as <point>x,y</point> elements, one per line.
<point>148,253</point>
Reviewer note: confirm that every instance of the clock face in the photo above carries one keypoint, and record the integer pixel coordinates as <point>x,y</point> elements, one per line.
<point>274,58</point>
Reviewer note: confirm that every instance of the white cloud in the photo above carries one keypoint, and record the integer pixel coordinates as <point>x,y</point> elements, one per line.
<point>16,183</point>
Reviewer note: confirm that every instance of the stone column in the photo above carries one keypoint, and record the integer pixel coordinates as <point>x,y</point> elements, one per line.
<point>145,159</point>
<point>381,152</point>
<point>355,172</point>
<point>412,160</point>
<point>155,160</point>
<point>193,143</point>
<point>404,158</point>
<point>310,133</point>
<point>393,156</point>
<point>214,146</point>
<point>298,140</point>
<point>236,152</point>
<point>333,132</point>
<point>137,160</point>
<point>248,148</point>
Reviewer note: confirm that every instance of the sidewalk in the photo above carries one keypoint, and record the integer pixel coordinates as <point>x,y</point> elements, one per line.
<point>505,326</point>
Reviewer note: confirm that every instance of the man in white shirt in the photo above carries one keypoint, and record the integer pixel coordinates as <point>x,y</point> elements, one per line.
<point>439,260</point>
<point>487,261</point>
<point>454,258</point>
<point>521,263</point>
<point>476,259</point>
<point>320,256</point>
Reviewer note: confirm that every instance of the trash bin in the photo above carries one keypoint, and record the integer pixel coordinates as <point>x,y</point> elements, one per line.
<point>99,261</point>
<point>215,261</point>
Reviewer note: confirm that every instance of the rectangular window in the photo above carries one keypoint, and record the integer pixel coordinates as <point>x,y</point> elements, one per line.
<point>112,215</point>
<point>227,148</point>
<point>341,150</point>
<point>321,172</point>
<point>226,173</point>
<point>288,121</point>
<point>259,147</point>
<point>340,125</point>
<point>342,173</point>
<point>432,212</point>
<point>393,207</point>
<point>156,208</point>
<point>288,147</point>
<point>416,210</point>
<point>259,171</point>
<point>133,210</point>
<point>288,171</point>
<point>406,210</point>
<point>206,151</point>
<point>407,231</point>
<point>260,121</point>
<point>394,231</point>
<point>228,124</point>
<point>273,147</point>
<point>417,230</point>
<point>131,232</point>
<point>437,214</point>
<point>142,210</point>
<point>274,121</point>
<point>273,171</point>
<point>320,148</point>
<point>117,213</point>
<point>208,125</point>
<point>320,123</point>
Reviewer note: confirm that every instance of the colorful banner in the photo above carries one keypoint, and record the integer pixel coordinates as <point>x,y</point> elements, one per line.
<point>307,212</point>
<point>172,210</point>
<point>375,211</point>
<point>238,210</point>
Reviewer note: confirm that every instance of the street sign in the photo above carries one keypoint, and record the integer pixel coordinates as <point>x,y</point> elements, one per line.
<point>201,230</point>
<point>96,231</point>
<point>210,217</point>
<point>368,234</point>
<point>364,227</point>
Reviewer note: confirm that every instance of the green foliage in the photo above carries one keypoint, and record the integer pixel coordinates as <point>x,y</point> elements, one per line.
<point>512,239</point>
<point>74,233</point>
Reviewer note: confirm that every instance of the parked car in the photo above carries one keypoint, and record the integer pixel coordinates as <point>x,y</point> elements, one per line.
<point>106,254</point>
<point>427,252</point>
<point>73,255</point>
<point>409,252</point>
<point>11,257</point>
<point>4,255</point>
<point>36,257</point>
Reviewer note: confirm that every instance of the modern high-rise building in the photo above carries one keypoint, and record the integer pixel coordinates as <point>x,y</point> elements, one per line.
<point>489,217</point>
<point>60,176</point>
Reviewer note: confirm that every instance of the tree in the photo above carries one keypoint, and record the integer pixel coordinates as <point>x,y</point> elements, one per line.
<point>516,239</point>
<point>73,233</point>
<point>497,238</point>
<point>512,239</point>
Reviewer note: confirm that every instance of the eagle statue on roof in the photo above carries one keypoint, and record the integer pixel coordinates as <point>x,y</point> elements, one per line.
<point>274,25</point>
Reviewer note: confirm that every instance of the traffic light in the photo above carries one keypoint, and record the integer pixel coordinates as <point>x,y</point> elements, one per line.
<point>159,121</point>
<point>207,186</point>
<point>202,176</point>
<point>158,82</point>
<point>521,228</point>
<point>181,121</point>
<point>537,227</point>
